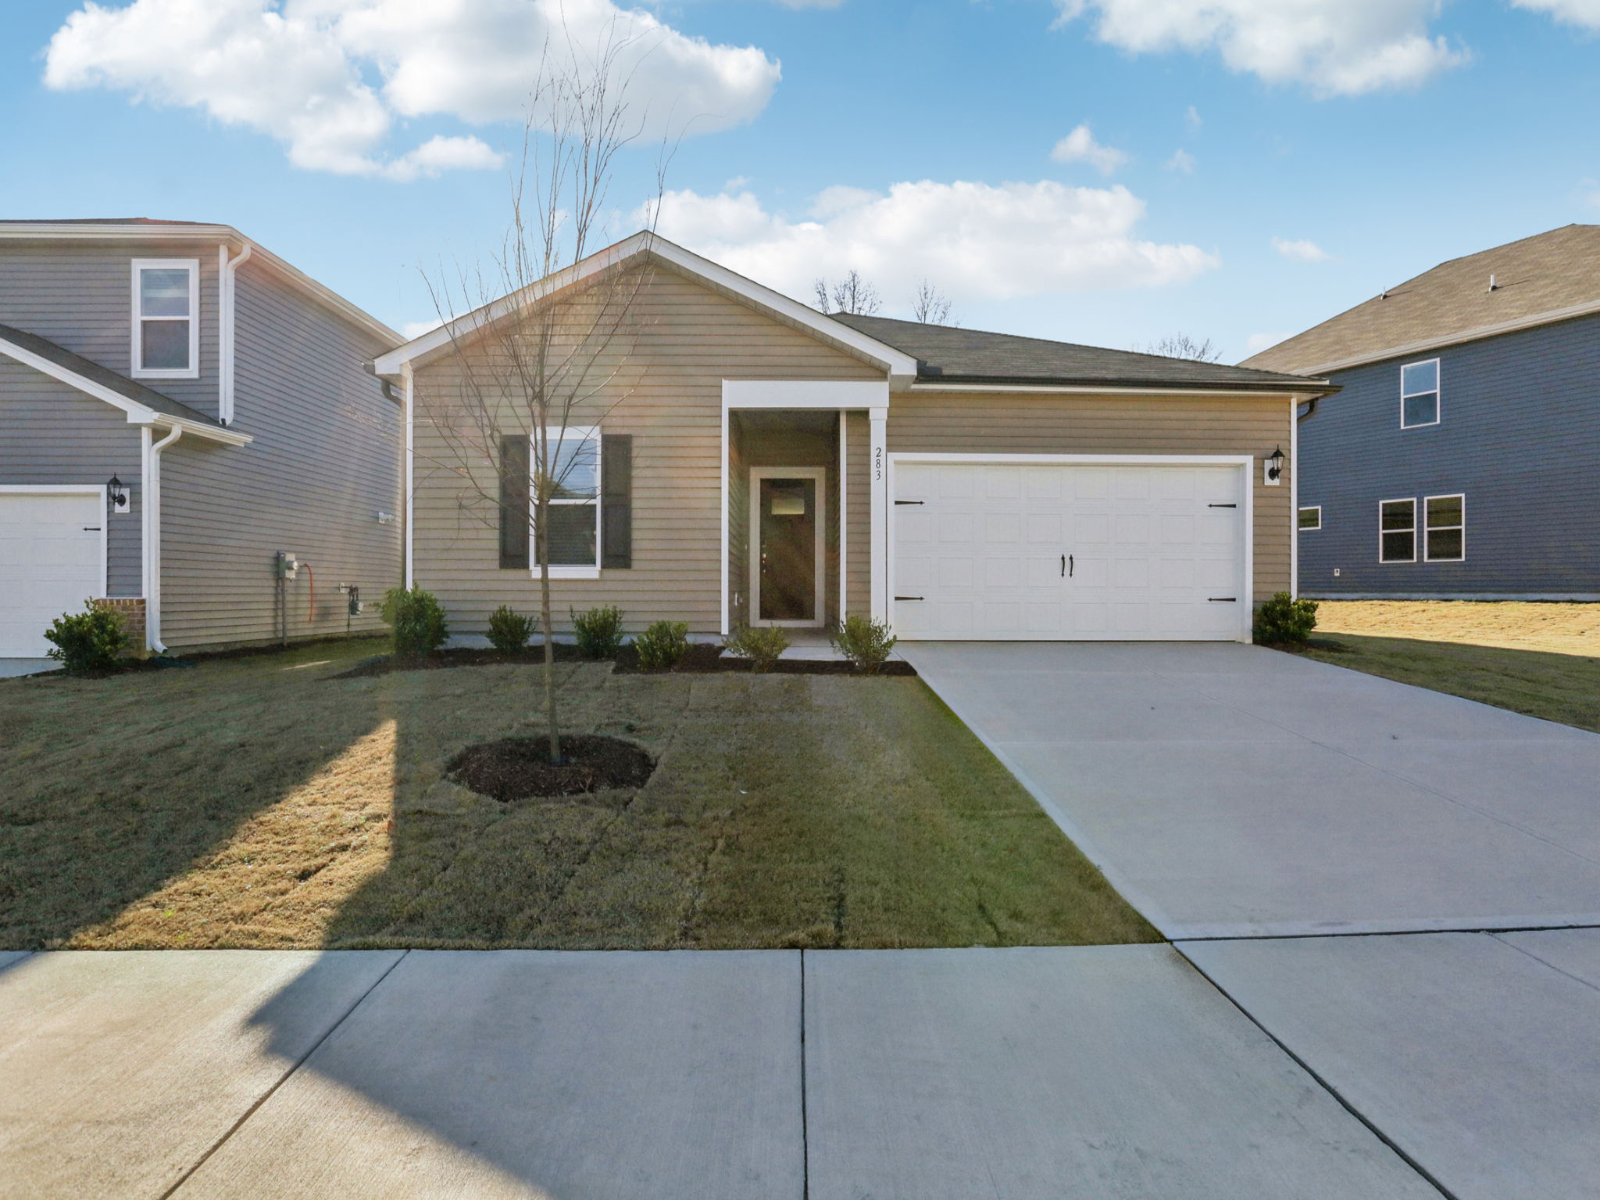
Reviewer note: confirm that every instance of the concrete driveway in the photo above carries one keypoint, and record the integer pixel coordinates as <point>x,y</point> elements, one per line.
<point>1231,791</point>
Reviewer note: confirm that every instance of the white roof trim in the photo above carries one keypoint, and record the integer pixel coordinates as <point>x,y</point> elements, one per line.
<point>1313,387</point>
<point>73,231</point>
<point>902,367</point>
<point>1587,308</point>
<point>138,414</point>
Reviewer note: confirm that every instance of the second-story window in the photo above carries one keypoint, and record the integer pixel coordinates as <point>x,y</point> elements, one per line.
<point>1419,394</point>
<point>166,325</point>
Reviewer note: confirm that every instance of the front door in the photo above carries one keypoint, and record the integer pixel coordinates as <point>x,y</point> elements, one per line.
<point>786,528</point>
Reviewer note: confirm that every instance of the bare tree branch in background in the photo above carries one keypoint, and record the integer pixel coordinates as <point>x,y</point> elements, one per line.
<point>530,359</point>
<point>852,294</point>
<point>1181,345</point>
<point>931,307</point>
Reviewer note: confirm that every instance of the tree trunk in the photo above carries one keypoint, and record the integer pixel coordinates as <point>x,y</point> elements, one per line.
<point>542,541</point>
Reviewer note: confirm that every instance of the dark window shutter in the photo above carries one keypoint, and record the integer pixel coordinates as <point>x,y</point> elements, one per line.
<point>616,499</point>
<point>515,485</point>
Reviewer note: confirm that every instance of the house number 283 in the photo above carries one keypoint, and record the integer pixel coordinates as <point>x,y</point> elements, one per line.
<point>877,463</point>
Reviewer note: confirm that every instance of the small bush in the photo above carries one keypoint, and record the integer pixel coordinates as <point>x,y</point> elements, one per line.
<point>599,631</point>
<point>763,647</point>
<point>509,631</point>
<point>1285,620</point>
<point>663,645</point>
<point>864,642</point>
<point>88,641</point>
<point>417,619</point>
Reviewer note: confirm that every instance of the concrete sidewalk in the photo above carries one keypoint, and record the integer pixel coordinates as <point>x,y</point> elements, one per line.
<point>1034,1073</point>
<point>1232,791</point>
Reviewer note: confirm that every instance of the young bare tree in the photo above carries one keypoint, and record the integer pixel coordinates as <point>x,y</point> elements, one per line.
<point>1181,345</point>
<point>931,307</point>
<point>852,294</point>
<point>532,357</point>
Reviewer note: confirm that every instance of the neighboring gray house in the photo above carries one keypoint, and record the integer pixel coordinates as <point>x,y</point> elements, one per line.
<point>177,407</point>
<point>1462,458</point>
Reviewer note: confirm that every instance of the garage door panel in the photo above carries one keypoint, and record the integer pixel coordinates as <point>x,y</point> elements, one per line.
<point>52,553</point>
<point>1148,551</point>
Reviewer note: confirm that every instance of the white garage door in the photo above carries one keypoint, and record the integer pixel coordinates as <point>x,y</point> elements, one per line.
<point>52,559</point>
<point>1057,552</point>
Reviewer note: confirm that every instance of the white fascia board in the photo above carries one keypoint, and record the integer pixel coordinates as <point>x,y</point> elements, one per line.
<point>805,393</point>
<point>1313,387</point>
<point>138,414</point>
<point>1554,315</point>
<point>901,367</point>
<point>58,231</point>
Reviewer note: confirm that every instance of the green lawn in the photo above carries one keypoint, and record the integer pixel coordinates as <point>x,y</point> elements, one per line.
<point>1538,659</point>
<point>259,802</point>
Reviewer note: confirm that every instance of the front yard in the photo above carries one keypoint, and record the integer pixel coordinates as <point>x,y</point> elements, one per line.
<point>1538,659</point>
<point>260,802</point>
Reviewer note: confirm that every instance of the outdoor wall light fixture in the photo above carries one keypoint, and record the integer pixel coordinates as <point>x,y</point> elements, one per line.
<point>117,494</point>
<point>1275,462</point>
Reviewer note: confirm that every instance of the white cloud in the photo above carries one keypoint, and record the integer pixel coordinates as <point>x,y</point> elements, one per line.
<point>1338,47</point>
<point>1192,117</point>
<point>1302,250</point>
<point>811,3</point>
<point>977,241</point>
<point>1583,13</point>
<point>1181,160</point>
<point>1080,146</point>
<point>415,329</point>
<point>330,78</point>
<point>1257,342</point>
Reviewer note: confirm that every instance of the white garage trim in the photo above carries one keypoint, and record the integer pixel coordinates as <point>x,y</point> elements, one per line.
<point>1244,463</point>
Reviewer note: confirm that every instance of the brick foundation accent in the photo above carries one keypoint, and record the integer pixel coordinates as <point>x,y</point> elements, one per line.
<point>132,619</point>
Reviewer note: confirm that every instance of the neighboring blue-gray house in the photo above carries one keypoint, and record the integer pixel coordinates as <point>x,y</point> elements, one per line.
<point>178,406</point>
<point>1462,458</point>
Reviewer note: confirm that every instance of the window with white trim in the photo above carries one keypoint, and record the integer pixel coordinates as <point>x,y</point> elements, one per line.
<point>1419,394</point>
<point>1445,528</point>
<point>166,318</point>
<point>573,524</point>
<point>1311,517</point>
<point>1397,531</point>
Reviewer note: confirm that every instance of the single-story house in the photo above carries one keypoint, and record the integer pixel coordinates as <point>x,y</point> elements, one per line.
<point>190,432</point>
<point>1462,459</point>
<point>731,456</point>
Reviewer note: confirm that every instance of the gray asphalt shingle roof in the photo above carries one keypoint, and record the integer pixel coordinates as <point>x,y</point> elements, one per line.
<point>105,377</point>
<point>948,354</point>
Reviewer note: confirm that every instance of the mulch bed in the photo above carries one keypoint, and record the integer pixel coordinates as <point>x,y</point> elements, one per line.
<point>519,768</point>
<point>702,659</point>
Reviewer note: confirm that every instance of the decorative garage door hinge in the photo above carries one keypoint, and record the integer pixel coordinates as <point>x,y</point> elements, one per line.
<point>908,597</point>
<point>908,501</point>
<point>1222,506</point>
<point>1223,599</point>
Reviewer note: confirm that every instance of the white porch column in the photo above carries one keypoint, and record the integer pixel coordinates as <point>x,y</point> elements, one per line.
<point>878,465</point>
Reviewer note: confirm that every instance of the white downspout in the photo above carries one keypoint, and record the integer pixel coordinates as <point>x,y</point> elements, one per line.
<point>151,453</point>
<point>227,287</point>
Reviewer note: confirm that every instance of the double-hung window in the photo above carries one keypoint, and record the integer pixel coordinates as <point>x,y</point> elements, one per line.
<point>1445,528</point>
<point>1397,531</point>
<point>572,532</point>
<point>166,318</point>
<point>1419,394</point>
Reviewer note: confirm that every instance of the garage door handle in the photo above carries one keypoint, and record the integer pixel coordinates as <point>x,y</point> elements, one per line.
<point>1222,506</point>
<point>908,597</point>
<point>1223,599</point>
<point>91,529</point>
<point>908,501</point>
<point>1069,566</point>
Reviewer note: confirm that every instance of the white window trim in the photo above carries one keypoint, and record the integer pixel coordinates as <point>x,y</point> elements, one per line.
<point>1411,500</point>
<point>819,475</point>
<point>557,435</point>
<point>1427,530</point>
<point>1437,393</point>
<point>136,359</point>
<point>1304,508</point>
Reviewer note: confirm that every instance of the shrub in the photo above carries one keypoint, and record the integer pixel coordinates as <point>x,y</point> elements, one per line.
<point>663,645</point>
<point>865,642</point>
<point>599,631</point>
<point>763,647</point>
<point>88,641</point>
<point>1284,619</point>
<point>417,619</point>
<point>509,631</point>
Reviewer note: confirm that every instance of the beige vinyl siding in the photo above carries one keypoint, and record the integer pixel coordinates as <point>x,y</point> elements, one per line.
<point>80,296</point>
<point>53,434</point>
<point>324,463</point>
<point>1018,423</point>
<point>668,395</point>
<point>858,514</point>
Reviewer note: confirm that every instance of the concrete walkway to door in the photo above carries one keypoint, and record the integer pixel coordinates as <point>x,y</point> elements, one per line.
<point>1231,791</point>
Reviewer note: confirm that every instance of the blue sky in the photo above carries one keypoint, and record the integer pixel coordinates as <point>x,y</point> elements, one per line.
<point>1329,147</point>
